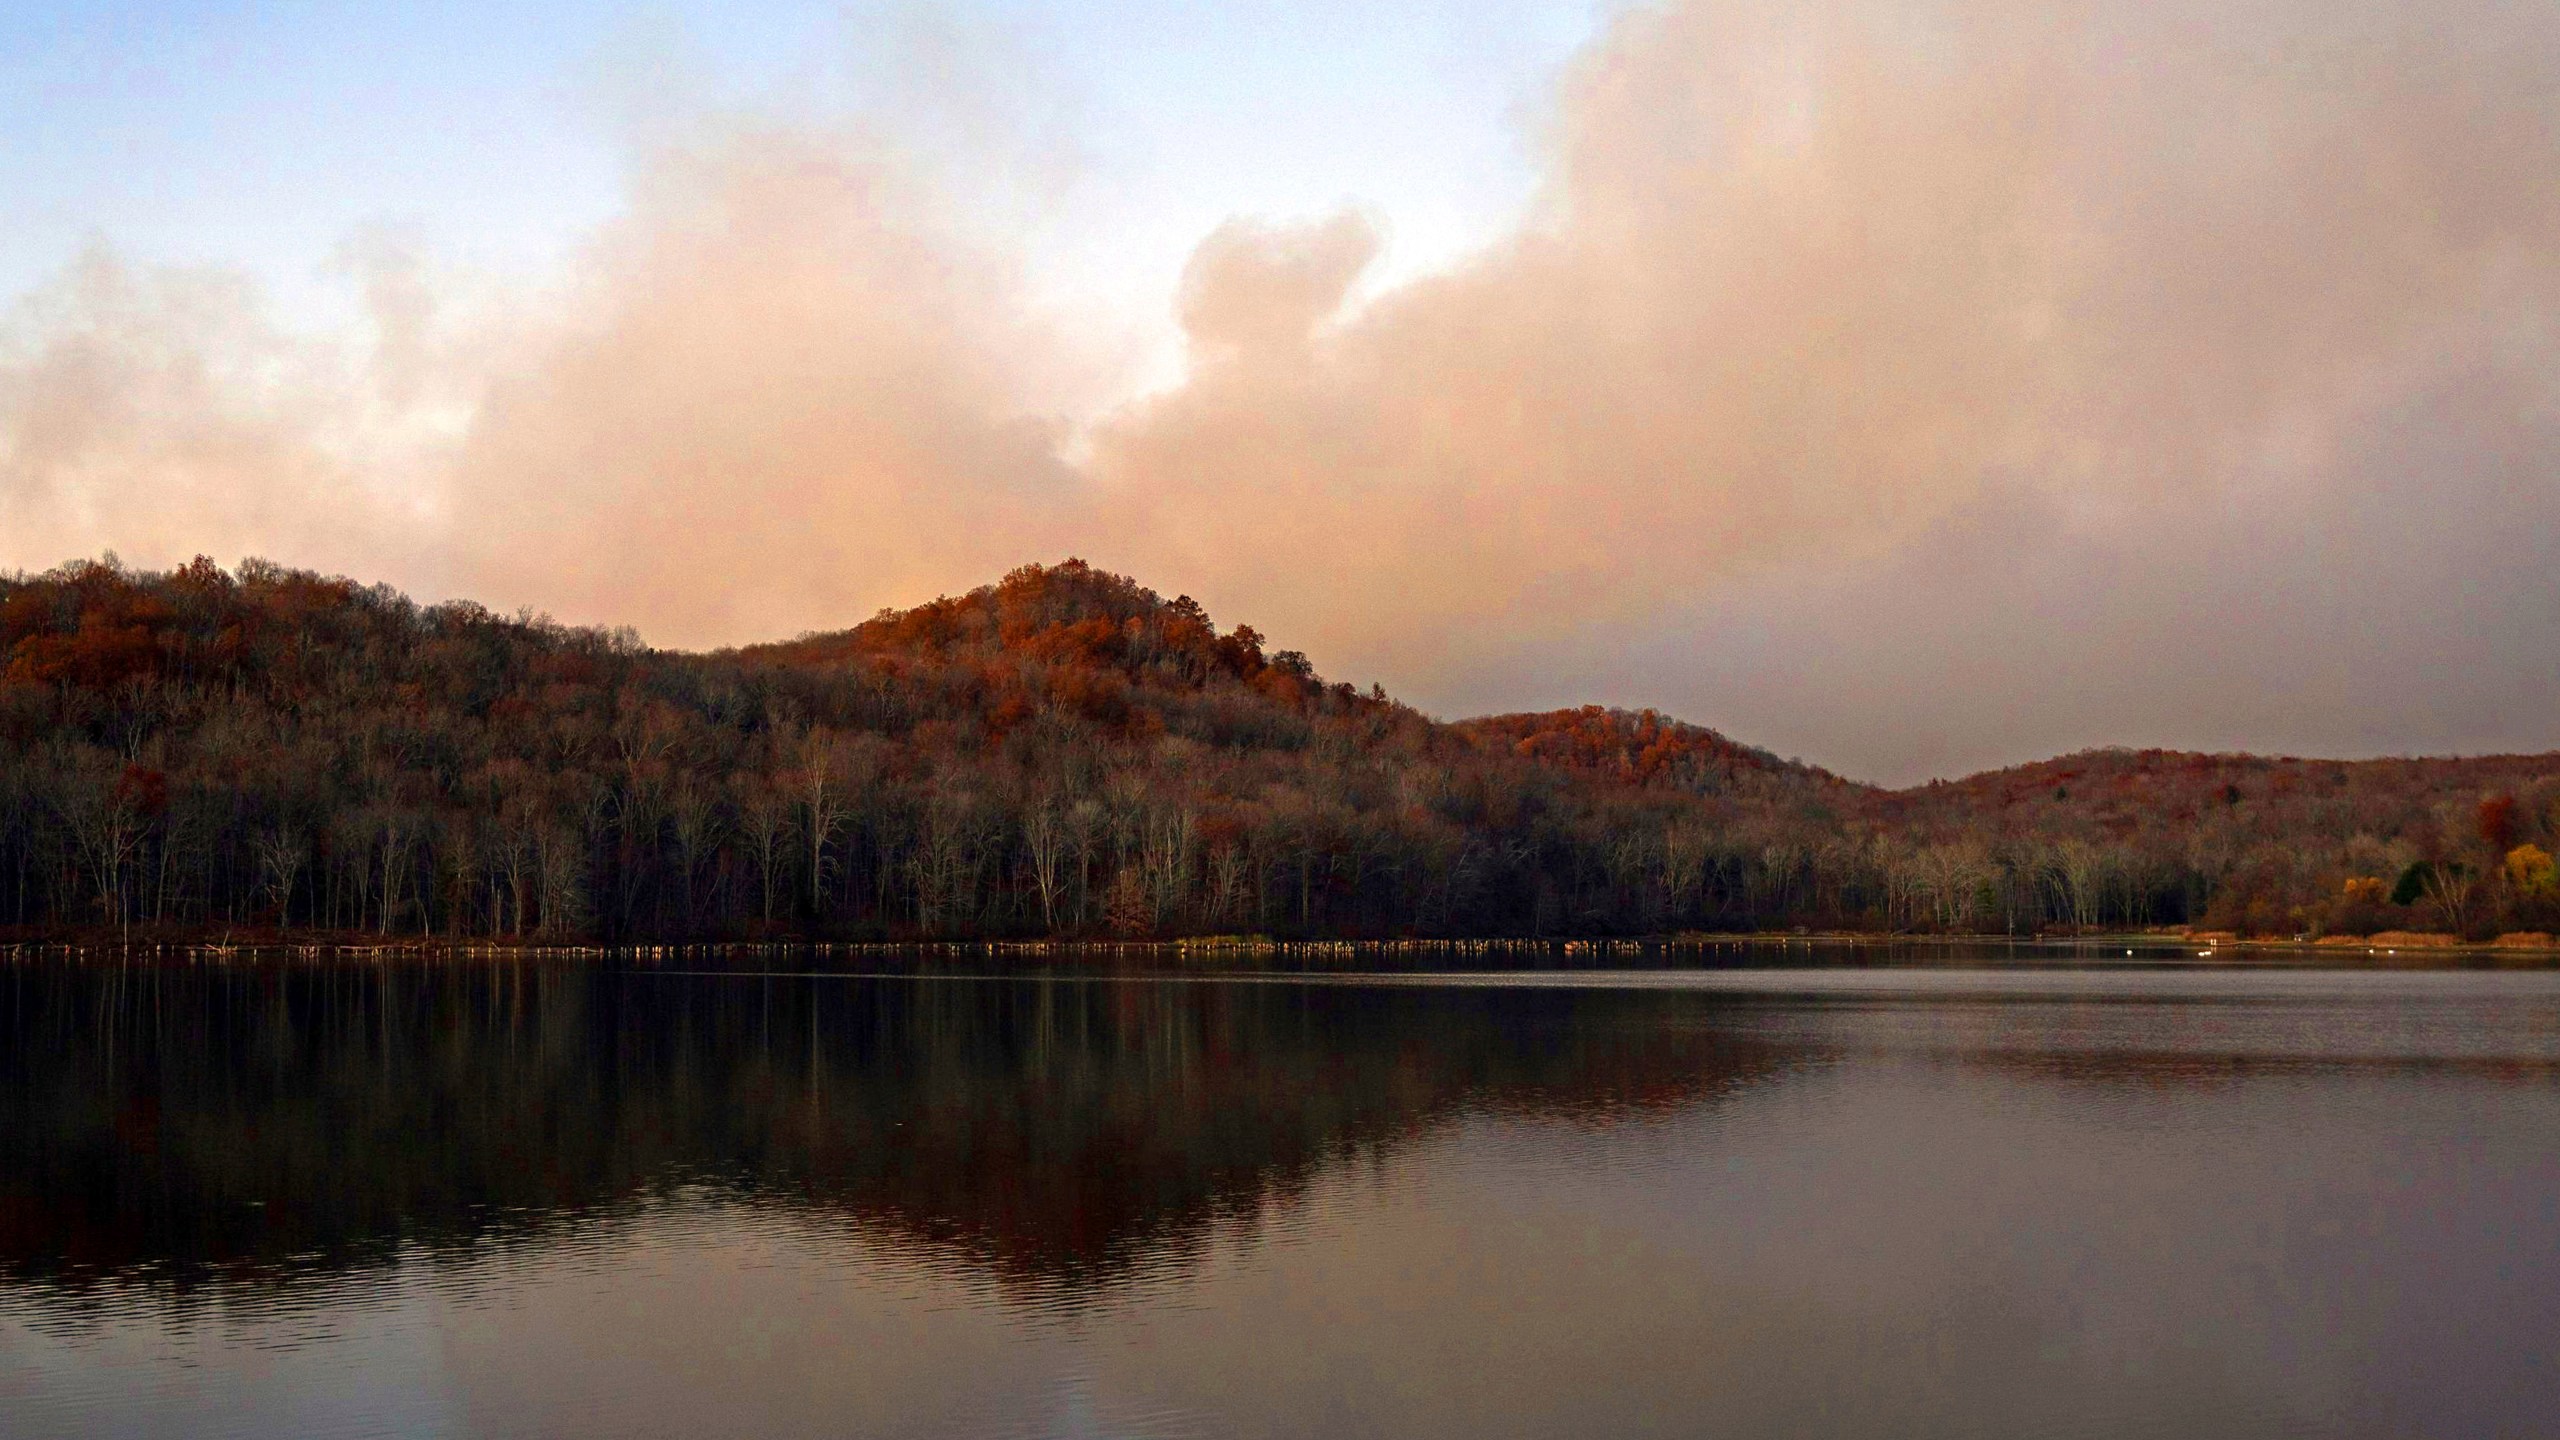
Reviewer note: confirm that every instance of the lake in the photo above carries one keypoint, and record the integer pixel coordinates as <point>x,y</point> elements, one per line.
<point>778,1197</point>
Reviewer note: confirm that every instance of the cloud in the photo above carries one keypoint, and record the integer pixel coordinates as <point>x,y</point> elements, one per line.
<point>1914,386</point>
<point>782,397</point>
<point>161,412</point>
<point>1809,279</point>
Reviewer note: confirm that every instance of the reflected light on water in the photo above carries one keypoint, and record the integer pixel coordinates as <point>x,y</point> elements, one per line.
<point>525,1198</point>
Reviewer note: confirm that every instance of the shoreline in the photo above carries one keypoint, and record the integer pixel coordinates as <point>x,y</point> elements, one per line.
<point>2401,948</point>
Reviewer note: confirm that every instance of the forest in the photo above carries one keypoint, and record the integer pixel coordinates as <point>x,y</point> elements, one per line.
<point>245,753</point>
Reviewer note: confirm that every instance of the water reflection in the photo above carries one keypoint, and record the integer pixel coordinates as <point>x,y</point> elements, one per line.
<point>203,1124</point>
<point>515,1198</point>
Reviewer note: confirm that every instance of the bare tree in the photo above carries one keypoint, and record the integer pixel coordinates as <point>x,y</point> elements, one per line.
<point>1086,827</point>
<point>695,822</point>
<point>2079,872</point>
<point>105,815</point>
<point>2451,887</point>
<point>1165,857</point>
<point>943,865</point>
<point>1951,876</point>
<point>1228,865</point>
<point>395,837</point>
<point>515,861</point>
<point>819,780</point>
<point>764,815</point>
<point>282,850</point>
<point>560,861</point>
<point>1683,867</point>
<point>1047,843</point>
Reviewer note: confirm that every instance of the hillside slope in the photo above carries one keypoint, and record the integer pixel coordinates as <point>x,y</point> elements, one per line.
<point>1649,749</point>
<point>1067,752</point>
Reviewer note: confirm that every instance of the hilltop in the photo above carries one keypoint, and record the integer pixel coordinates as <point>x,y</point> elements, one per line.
<point>1648,749</point>
<point>1067,752</point>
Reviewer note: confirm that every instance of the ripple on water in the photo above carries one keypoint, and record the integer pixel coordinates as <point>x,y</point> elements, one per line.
<point>1940,1201</point>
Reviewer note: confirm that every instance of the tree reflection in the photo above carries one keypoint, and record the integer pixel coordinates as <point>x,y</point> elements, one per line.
<point>256,1124</point>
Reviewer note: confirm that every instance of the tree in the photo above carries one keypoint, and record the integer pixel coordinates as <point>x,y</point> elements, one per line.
<point>560,860</point>
<point>395,834</point>
<point>2079,870</point>
<point>283,851</point>
<point>818,777</point>
<point>1046,844</point>
<point>107,809</point>
<point>1951,876</point>
<point>764,816</point>
<point>1064,749</point>
<point>2499,822</point>
<point>2450,888</point>
<point>695,821</point>
<point>945,860</point>
<point>515,862</point>
<point>2532,874</point>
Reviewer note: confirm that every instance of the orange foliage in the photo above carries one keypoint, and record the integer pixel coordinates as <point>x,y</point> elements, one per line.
<point>1190,778</point>
<point>1634,747</point>
<point>1083,642</point>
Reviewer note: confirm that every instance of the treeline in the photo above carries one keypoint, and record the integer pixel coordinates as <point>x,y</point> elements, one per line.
<point>1067,753</point>
<point>2115,838</point>
<point>2262,845</point>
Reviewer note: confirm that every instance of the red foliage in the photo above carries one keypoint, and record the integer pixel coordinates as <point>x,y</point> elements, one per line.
<point>2500,825</point>
<point>1082,642</point>
<point>1634,747</point>
<point>1049,690</point>
<point>97,656</point>
<point>143,789</point>
<point>93,628</point>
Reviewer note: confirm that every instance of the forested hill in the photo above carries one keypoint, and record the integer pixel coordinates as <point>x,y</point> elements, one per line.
<point>1644,747</point>
<point>1066,752</point>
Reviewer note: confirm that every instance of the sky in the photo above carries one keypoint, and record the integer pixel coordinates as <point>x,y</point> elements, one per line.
<point>494,138</point>
<point>1909,387</point>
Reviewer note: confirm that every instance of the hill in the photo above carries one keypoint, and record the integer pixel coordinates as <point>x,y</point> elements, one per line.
<point>1646,748</point>
<point>2272,845</point>
<point>1067,752</point>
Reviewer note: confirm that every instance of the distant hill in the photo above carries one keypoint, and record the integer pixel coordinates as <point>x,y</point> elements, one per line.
<point>1067,752</point>
<point>1646,748</point>
<point>2118,793</point>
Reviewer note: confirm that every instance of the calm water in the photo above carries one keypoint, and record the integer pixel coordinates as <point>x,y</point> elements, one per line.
<point>527,1199</point>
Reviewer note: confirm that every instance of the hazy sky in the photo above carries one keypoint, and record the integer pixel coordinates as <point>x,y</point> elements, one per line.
<point>498,137</point>
<point>1911,387</point>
